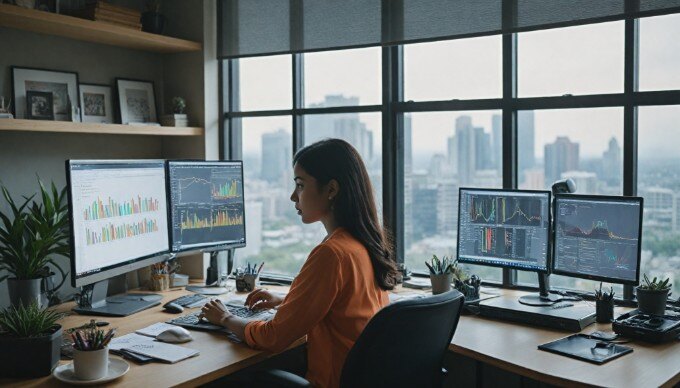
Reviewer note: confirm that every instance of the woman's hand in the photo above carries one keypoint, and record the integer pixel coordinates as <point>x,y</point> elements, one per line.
<point>215,312</point>
<point>261,300</point>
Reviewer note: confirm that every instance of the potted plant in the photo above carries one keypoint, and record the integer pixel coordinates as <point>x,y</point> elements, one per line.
<point>152,19</point>
<point>179,117</point>
<point>441,273</point>
<point>30,236</point>
<point>652,295</point>
<point>30,341</point>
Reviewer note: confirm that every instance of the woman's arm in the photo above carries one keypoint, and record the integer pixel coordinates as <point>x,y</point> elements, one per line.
<point>217,313</point>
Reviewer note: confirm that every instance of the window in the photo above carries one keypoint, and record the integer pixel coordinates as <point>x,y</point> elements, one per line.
<point>462,69</point>
<point>574,60</point>
<point>659,185</point>
<point>443,152</point>
<point>343,78</point>
<point>265,83</point>
<point>659,48</point>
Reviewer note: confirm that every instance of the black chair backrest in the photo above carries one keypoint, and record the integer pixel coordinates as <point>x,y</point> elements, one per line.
<point>404,344</point>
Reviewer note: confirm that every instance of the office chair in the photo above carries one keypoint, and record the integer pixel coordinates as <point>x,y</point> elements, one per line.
<point>403,345</point>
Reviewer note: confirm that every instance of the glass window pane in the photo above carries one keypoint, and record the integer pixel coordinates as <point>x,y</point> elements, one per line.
<point>265,83</point>
<point>585,145</point>
<point>659,184</point>
<point>575,60</point>
<point>274,232</point>
<point>444,151</point>
<point>660,52</point>
<point>343,78</point>
<point>461,69</point>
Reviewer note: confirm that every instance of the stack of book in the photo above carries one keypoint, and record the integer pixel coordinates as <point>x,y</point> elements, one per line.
<point>108,13</point>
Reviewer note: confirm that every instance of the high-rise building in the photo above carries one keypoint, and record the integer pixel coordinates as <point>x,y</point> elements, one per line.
<point>611,164</point>
<point>560,156</point>
<point>424,212</point>
<point>659,204</point>
<point>465,150</point>
<point>253,229</point>
<point>586,181</point>
<point>497,134</point>
<point>447,207</point>
<point>277,156</point>
<point>525,147</point>
<point>482,149</point>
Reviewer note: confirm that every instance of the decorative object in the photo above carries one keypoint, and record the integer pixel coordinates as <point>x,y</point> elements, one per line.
<point>39,105</point>
<point>441,273</point>
<point>95,103</point>
<point>136,101</point>
<point>30,341</point>
<point>604,305</point>
<point>468,287</point>
<point>105,12</point>
<point>652,295</point>
<point>4,109</point>
<point>179,117</point>
<point>160,277</point>
<point>152,19</point>
<point>62,84</point>
<point>31,234</point>
<point>91,353</point>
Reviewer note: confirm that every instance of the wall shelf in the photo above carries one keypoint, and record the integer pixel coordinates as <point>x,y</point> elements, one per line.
<point>104,129</point>
<point>90,31</point>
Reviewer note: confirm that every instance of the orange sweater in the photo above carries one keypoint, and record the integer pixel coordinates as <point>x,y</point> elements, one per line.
<point>331,301</point>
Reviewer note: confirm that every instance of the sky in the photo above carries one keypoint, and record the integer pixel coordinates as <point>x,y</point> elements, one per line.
<point>575,60</point>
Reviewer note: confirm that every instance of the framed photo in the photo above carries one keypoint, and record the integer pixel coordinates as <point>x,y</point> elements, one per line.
<point>62,84</point>
<point>39,105</point>
<point>96,104</point>
<point>136,101</point>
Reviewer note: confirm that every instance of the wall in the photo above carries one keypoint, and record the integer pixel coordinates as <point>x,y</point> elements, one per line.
<point>23,155</point>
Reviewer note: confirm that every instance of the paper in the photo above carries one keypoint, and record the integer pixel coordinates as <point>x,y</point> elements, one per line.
<point>118,343</point>
<point>155,329</point>
<point>162,351</point>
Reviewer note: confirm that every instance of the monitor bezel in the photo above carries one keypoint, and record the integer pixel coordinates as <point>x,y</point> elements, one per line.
<point>591,197</point>
<point>121,268</point>
<point>549,249</point>
<point>208,247</point>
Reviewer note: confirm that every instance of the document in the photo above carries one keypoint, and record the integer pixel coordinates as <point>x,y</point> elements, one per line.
<point>162,351</point>
<point>155,329</point>
<point>118,343</point>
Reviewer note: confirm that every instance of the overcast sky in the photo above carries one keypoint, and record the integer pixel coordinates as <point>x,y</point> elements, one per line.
<point>575,60</point>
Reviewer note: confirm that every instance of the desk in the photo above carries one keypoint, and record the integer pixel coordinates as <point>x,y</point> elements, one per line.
<point>218,356</point>
<point>513,347</point>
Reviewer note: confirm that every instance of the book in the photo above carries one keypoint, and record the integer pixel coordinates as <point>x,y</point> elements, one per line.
<point>113,8</point>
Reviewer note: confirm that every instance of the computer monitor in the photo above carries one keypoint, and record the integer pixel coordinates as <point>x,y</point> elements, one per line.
<point>207,210</point>
<point>118,212</point>
<point>598,237</point>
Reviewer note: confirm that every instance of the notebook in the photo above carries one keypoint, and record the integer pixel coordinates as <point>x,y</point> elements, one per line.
<point>155,329</point>
<point>162,351</point>
<point>582,347</point>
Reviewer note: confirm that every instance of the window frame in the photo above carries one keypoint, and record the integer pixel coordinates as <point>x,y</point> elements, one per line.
<point>393,108</point>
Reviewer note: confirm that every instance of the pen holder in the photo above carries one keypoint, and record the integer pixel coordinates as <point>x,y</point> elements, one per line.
<point>90,364</point>
<point>441,282</point>
<point>159,282</point>
<point>246,282</point>
<point>604,310</point>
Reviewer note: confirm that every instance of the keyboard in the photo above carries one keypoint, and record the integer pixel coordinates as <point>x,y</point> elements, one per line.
<point>190,301</point>
<point>191,321</point>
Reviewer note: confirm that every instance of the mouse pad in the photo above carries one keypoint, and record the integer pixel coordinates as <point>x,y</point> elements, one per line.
<point>582,347</point>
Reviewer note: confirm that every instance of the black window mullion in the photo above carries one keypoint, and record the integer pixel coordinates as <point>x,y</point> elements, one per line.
<point>233,126</point>
<point>298,101</point>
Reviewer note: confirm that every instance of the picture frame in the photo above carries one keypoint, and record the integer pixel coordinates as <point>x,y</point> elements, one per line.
<point>39,105</point>
<point>136,102</point>
<point>62,84</point>
<point>96,103</point>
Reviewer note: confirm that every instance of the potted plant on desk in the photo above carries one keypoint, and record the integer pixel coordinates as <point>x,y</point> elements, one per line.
<point>31,234</point>
<point>30,341</point>
<point>652,295</point>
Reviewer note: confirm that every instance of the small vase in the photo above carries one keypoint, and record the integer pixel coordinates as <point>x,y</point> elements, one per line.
<point>24,291</point>
<point>153,22</point>
<point>441,283</point>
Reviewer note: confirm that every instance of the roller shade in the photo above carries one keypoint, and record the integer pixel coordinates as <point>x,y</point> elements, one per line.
<point>266,27</point>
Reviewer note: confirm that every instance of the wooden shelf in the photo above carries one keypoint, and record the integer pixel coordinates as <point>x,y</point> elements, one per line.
<point>107,129</point>
<point>90,31</point>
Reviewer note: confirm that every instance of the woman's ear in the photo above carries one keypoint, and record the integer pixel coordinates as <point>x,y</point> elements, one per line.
<point>333,188</point>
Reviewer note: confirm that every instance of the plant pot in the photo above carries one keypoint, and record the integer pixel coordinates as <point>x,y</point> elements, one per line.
<point>441,283</point>
<point>90,364</point>
<point>651,302</point>
<point>153,22</point>
<point>30,357</point>
<point>25,291</point>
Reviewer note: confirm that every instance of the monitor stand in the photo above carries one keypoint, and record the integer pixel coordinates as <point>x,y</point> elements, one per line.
<point>213,280</point>
<point>114,306</point>
<point>544,297</point>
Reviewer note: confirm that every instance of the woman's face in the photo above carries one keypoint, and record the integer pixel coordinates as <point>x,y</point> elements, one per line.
<point>311,201</point>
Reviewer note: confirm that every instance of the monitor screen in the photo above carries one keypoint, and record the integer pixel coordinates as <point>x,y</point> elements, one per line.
<point>598,237</point>
<point>206,205</point>
<point>504,228</point>
<point>118,216</point>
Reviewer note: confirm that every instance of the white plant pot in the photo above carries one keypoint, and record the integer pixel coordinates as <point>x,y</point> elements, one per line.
<point>90,364</point>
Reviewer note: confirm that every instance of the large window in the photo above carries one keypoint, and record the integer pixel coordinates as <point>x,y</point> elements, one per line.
<point>596,103</point>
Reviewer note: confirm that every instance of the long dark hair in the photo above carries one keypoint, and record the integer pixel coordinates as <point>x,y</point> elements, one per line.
<point>353,207</point>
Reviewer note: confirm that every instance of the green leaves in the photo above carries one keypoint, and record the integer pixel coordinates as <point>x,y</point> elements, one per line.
<point>32,233</point>
<point>655,285</point>
<point>28,321</point>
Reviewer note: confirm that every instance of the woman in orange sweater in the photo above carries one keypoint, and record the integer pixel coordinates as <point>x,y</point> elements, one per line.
<point>344,280</point>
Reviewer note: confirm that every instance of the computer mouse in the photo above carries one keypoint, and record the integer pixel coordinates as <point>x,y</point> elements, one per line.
<point>175,335</point>
<point>173,308</point>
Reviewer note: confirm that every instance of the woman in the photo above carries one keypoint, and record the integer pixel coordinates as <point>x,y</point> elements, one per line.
<point>343,283</point>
